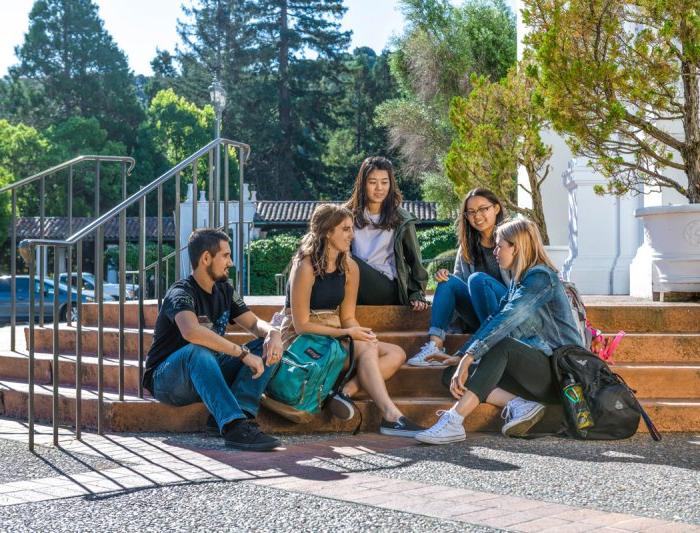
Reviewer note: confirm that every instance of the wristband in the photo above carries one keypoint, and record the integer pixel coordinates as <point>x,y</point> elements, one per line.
<point>244,353</point>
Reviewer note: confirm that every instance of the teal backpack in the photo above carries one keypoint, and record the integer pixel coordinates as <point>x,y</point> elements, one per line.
<point>310,370</point>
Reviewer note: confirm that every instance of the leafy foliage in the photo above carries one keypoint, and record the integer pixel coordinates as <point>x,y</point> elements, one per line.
<point>498,129</point>
<point>80,68</point>
<point>434,241</point>
<point>269,256</point>
<point>615,76</point>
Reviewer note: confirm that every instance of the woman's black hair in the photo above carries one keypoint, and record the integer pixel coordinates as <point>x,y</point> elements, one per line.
<point>389,217</point>
<point>469,237</point>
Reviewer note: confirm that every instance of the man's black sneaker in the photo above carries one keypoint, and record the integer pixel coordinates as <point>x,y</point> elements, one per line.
<point>212,428</point>
<point>341,406</point>
<point>403,427</point>
<point>246,435</point>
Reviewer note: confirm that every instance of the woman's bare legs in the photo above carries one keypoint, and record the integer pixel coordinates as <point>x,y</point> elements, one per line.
<point>376,362</point>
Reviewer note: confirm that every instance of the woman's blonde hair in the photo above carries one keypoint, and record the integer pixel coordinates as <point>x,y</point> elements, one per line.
<point>524,235</point>
<point>325,218</point>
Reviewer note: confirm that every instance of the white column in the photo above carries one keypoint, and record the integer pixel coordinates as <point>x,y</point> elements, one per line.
<point>603,233</point>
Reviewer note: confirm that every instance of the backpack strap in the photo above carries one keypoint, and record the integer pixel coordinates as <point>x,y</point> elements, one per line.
<point>348,375</point>
<point>653,432</point>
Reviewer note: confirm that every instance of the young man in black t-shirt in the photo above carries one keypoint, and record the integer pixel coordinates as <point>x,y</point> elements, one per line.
<point>191,361</point>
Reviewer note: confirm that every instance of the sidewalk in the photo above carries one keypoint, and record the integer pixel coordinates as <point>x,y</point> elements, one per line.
<point>188,482</point>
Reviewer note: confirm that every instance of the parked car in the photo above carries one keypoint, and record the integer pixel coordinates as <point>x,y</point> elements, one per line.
<point>110,291</point>
<point>22,307</point>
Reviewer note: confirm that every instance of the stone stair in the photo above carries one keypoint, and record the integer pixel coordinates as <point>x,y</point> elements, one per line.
<point>659,357</point>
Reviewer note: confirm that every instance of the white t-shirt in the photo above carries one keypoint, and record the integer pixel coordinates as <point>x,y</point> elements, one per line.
<point>375,246</point>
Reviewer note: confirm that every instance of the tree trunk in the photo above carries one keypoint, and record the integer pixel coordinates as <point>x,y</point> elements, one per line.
<point>285,163</point>
<point>537,207</point>
<point>691,126</point>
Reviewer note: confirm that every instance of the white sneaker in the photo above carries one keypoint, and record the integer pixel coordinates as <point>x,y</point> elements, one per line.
<point>447,429</point>
<point>429,348</point>
<point>520,415</point>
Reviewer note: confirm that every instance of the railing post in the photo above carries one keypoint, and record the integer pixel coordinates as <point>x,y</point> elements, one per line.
<point>211,222</point>
<point>142,285</point>
<point>122,286</point>
<point>217,185</point>
<point>31,260</point>
<point>226,191</point>
<point>42,252</point>
<point>159,292</point>
<point>100,328</point>
<point>177,226</point>
<point>240,221</point>
<point>13,274</point>
<point>195,199</point>
<point>69,250</point>
<point>79,340</point>
<point>55,370</point>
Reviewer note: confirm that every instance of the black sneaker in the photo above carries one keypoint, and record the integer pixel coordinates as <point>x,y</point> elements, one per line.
<point>403,427</point>
<point>246,435</point>
<point>341,406</point>
<point>212,429</point>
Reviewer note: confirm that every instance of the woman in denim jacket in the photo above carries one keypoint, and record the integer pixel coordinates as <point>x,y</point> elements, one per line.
<point>512,348</point>
<point>475,288</point>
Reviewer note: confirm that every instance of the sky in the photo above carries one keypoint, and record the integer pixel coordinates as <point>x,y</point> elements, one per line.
<point>139,26</point>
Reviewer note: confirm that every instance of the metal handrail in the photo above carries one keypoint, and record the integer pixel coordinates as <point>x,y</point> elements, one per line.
<point>100,221</point>
<point>67,164</point>
<point>29,247</point>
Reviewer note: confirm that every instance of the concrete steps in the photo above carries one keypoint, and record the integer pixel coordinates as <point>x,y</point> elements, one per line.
<point>659,357</point>
<point>652,317</point>
<point>135,414</point>
<point>650,381</point>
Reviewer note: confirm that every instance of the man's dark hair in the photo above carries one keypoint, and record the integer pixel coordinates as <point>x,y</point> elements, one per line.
<point>204,240</point>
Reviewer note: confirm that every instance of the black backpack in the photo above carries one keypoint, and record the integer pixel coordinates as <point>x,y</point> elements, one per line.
<point>613,407</point>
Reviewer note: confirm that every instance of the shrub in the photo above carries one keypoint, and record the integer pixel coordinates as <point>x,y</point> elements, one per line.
<point>436,240</point>
<point>268,257</point>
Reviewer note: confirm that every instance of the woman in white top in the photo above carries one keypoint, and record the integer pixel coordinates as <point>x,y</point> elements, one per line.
<point>385,246</point>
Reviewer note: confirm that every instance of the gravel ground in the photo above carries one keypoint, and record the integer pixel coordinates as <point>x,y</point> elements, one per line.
<point>209,507</point>
<point>17,463</point>
<point>637,476</point>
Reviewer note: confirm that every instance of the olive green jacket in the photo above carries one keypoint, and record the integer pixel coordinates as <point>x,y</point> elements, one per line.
<point>411,275</point>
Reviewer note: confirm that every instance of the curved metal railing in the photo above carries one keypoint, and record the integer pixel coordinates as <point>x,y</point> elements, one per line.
<point>29,247</point>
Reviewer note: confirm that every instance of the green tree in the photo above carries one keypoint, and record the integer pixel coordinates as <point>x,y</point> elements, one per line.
<point>441,47</point>
<point>616,75</point>
<point>365,83</point>
<point>80,68</point>
<point>498,129</point>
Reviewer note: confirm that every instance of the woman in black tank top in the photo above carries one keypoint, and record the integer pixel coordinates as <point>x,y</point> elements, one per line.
<point>324,277</point>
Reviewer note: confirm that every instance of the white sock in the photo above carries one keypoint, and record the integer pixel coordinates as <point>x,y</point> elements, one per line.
<point>456,416</point>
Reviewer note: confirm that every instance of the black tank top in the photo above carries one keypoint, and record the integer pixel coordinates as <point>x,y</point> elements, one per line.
<point>327,292</point>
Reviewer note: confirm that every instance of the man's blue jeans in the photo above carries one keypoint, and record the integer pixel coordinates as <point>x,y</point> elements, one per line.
<point>474,301</point>
<point>225,385</point>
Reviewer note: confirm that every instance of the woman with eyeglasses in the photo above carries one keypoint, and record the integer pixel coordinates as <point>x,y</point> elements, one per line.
<point>477,284</point>
<point>506,362</point>
<point>385,246</point>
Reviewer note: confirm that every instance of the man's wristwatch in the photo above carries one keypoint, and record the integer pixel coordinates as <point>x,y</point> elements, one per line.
<point>245,352</point>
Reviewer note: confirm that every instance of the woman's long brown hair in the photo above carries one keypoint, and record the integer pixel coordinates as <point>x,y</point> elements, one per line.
<point>325,218</point>
<point>389,217</point>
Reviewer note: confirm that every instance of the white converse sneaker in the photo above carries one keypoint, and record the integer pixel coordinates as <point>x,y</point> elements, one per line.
<point>520,415</point>
<point>446,430</point>
<point>429,348</point>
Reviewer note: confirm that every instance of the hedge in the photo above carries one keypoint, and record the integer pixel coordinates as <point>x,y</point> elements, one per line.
<point>268,257</point>
<point>435,241</point>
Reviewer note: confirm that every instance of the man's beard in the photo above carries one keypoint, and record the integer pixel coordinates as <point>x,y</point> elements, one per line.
<point>214,277</point>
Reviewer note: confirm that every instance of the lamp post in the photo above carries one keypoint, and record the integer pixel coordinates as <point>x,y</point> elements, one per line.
<point>218,99</point>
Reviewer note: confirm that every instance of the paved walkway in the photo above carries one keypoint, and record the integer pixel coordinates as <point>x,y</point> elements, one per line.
<point>353,470</point>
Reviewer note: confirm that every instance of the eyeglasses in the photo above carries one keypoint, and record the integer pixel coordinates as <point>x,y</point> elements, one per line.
<point>471,213</point>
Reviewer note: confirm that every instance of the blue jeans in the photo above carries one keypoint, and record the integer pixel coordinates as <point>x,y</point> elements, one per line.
<point>474,301</point>
<point>225,385</point>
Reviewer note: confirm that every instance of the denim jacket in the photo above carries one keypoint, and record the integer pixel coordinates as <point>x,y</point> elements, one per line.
<point>536,311</point>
